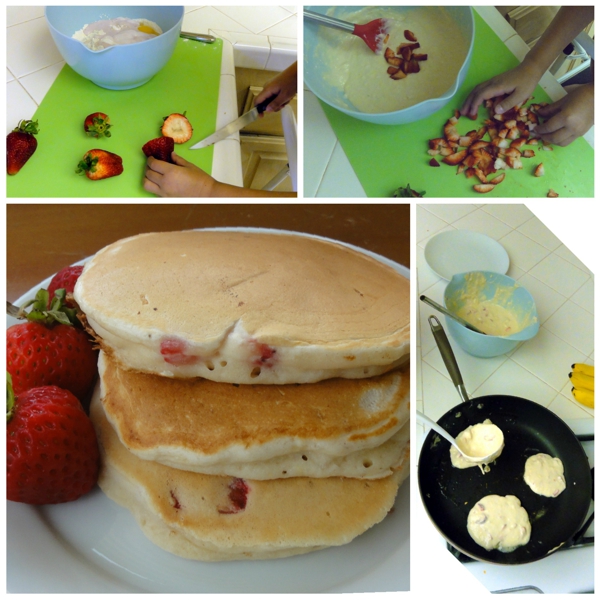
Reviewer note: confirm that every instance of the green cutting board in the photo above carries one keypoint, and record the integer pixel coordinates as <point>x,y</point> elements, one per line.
<point>189,82</point>
<point>386,157</point>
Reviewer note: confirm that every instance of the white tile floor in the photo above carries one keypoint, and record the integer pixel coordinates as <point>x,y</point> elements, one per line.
<point>563,290</point>
<point>263,37</point>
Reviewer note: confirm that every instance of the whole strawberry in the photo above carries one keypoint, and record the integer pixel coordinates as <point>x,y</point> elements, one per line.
<point>52,451</point>
<point>160,148</point>
<point>100,164</point>
<point>97,125</point>
<point>51,348</point>
<point>178,127</point>
<point>65,279</point>
<point>20,145</point>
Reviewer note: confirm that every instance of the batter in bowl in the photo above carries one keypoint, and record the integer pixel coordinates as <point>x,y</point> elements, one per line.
<point>361,75</point>
<point>499,523</point>
<point>483,439</point>
<point>545,475</point>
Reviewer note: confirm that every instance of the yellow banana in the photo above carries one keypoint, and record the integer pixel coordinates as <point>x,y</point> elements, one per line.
<point>583,368</point>
<point>581,381</point>
<point>585,397</point>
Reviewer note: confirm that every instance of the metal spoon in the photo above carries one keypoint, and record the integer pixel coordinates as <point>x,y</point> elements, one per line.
<point>475,459</point>
<point>445,311</point>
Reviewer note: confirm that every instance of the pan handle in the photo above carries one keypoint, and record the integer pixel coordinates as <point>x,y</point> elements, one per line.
<point>448,356</point>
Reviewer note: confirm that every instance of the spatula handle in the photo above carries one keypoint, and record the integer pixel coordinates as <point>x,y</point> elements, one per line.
<point>329,21</point>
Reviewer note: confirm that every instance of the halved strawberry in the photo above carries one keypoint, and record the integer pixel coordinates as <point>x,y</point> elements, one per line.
<point>539,170</point>
<point>484,188</point>
<point>552,194</point>
<point>498,179</point>
<point>455,158</point>
<point>177,127</point>
<point>160,148</point>
<point>398,74</point>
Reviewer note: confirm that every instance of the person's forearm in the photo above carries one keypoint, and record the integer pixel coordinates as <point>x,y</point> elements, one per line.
<point>564,28</point>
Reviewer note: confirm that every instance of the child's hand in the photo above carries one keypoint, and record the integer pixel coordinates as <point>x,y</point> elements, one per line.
<point>181,180</point>
<point>518,82</point>
<point>568,118</point>
<point>283,87</point>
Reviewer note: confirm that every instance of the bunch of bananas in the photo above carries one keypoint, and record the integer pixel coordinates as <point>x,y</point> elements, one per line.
<point>582,378</point>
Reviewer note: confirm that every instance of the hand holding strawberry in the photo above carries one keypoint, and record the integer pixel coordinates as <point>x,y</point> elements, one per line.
<point>160,148</point>
<point>52,451</point>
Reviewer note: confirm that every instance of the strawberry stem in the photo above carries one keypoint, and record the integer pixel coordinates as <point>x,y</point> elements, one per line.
<point>57,313</point>
<point>27,127</point>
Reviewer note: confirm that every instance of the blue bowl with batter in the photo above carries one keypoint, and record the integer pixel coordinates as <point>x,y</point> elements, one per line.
<point>315,70</point>
<point>487,286</point>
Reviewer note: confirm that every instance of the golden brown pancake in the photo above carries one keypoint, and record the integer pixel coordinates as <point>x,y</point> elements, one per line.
<point>208,517</point>
<point>237,307</point>
<point>338,427</point>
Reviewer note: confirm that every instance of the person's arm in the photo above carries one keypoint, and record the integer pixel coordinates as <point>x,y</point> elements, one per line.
<point>520,82</point>
<point>284,87</point>
<point>185,180</point>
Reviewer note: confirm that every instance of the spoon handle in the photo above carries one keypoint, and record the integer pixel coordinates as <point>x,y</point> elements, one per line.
<point>446,312</point>
<point>425,419</point>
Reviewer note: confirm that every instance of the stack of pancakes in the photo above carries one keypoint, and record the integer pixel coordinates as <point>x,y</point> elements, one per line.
<point>254,390</point>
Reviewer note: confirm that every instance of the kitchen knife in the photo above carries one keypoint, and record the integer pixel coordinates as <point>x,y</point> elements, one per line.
<point>234,126</point>
<point>198,37</point>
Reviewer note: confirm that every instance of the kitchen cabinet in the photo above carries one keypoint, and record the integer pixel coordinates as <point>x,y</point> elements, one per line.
<point>262,143</point>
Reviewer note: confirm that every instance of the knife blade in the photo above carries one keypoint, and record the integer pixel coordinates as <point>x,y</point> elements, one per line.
<point>234,126</point>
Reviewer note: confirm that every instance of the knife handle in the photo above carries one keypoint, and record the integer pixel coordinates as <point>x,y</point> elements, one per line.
<point>262,106</point>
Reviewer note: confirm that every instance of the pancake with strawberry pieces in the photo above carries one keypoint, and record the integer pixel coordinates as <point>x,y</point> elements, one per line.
<point>338,427</point>
<point>208,517</point>
<point>246,308</point>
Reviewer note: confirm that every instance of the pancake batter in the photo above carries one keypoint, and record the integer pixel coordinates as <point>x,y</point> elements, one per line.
<point>116,32</point>
<point>361,76</point>
<point>480,440</point>
<point>494,316</point>
<point>499,523</point>
<point>545,475</point>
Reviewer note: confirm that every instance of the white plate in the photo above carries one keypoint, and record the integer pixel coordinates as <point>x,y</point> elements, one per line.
<point>93,545</point>
<point>461,251</point>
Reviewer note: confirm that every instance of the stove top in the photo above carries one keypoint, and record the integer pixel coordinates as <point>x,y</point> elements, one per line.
<point>569,570</point>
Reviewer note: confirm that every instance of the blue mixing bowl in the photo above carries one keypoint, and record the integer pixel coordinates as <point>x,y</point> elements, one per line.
<point>314,69</point>
<point>118,67</point>
<point>514,297</point>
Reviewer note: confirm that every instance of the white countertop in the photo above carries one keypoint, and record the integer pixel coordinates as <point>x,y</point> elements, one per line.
<point>328,172</point>
<point>563,289</point>
<point>254,37</point>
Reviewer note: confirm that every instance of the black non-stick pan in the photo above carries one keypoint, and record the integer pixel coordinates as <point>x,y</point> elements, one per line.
<point>448,493</point>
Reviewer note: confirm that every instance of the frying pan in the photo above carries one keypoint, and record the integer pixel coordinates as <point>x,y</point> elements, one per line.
<point>448,493</point>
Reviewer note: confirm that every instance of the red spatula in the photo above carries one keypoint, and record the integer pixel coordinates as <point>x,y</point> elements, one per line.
<point>372,33</point>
